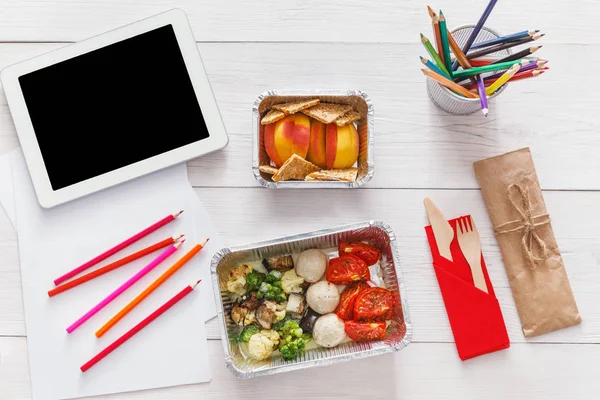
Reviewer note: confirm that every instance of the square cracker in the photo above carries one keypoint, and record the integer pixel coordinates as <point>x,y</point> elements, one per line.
<point>327,112</point>
<point>272,116</point>
<point>348,118</point>
<point>347,175</point>
<point>294,107</point>
<point>267,169</point>
<point>295,167</point>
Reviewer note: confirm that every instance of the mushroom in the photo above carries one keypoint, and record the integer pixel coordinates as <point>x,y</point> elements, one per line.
<point>265,313</point>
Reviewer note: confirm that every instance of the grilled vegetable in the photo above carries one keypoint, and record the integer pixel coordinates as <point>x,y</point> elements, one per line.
<point>295,304</point>
<point>292,283</point>
<point>253,280</point>
<point>347,269</point>
<point>308,320</point>
<point>369,254</point>
<point>250,301</point>
<point>236,282</point>
<point>262,344</point>
<point>265,314</point>
<point>281,263</point>
<point>359,331</point>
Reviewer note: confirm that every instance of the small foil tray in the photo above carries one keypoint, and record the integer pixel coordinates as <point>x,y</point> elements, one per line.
<point>361,103</point>
<point>379,234</point>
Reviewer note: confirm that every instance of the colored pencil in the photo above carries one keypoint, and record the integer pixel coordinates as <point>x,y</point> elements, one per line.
<point>502,80</point>
<point>486,68</point>
<point>433,67</point>
<point>141,325</point>
<point>433,54</point>
<point>516,77</point>
<point>504,39</point>
<point>526,67</point>
<point>435,25</point>
<point>170,250</point>
<point>117,248</point>
<point>112,266</point>
<point>519,55</point>
<point>476,30</point>
<point>458,53</point>
<point>482,95</point>
<point>504,46</point>
<point>478,62</point>
<point>449,84</point>
<point>445,44</point>
<point>159,281</point>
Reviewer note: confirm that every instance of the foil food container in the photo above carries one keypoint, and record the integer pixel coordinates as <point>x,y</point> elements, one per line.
<point>379,234</point>
<point>361,103</point>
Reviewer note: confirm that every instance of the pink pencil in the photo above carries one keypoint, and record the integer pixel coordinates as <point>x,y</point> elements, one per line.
<point>117,248</point>
<point>163,256</point>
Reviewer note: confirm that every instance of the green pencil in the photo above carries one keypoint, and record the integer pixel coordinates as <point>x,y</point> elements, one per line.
<point>434,55</point>
<point>486,68</point>
<point>445,42</point>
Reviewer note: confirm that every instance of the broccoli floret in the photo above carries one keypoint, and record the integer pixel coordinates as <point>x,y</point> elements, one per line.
<point>271,292</point>
<point>273,277</point>
<point>291,349</point>
<point>247,333</point>
<point>254,280</point>
<point>289,330</point>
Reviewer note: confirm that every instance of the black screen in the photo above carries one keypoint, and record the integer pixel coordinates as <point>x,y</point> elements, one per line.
<point>112,107</point>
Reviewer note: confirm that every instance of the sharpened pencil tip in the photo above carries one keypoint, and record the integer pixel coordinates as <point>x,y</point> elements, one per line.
<point>204,243</point>
<point>177,214</point>
<point>484,111</point>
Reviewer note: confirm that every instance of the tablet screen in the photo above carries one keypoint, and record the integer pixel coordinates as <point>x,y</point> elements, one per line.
<point>112,107</point>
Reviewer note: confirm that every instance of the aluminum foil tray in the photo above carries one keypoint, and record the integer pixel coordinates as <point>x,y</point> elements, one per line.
<point>377,233</point>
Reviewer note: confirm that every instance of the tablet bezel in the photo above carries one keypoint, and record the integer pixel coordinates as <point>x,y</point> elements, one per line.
<point>217,139</point>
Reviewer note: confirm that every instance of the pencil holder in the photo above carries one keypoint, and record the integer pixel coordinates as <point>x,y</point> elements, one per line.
<point>446,99</point>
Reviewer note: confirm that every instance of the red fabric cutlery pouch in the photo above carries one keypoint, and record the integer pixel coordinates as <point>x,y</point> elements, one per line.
<point>475,316</point>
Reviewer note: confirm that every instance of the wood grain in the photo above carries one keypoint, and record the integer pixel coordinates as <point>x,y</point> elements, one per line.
<point>520,372</point>
<point>410,133</point>
<point>270,214</point>
<point>297,21</point>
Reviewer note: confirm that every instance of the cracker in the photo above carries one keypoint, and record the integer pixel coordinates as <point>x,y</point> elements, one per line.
<point>348,118</point>
<point>272,116</point>
<point>327,112</point>
<point>267,169</point>
<point>347,175</point>
<point>295,167</point>
<point>294,107</point>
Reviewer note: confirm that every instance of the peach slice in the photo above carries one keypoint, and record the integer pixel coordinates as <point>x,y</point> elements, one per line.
<point>290,135</point>
<point>316,148</point>
<point>341,146</point>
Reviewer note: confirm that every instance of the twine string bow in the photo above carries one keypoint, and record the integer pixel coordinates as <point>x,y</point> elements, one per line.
<point>528,223</point>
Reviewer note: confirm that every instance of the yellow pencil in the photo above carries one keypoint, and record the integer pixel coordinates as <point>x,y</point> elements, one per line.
<point>449,84</point>
<point>503,79</point>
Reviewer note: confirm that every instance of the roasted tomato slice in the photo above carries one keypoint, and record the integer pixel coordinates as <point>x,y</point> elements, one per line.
<point>347,269</point>
<point>345,309</point>
<point>359,331</point>
<point>373,304</point>
<point>369,254</point>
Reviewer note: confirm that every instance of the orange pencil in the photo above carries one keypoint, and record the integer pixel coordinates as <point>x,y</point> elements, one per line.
<point>449,84</point>
<point>159,281</point>
<point>435,23</point>
<point>458,53</point>
<point>112,266</point>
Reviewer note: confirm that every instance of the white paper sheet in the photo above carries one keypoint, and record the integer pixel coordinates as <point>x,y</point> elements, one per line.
<point>171,350</point>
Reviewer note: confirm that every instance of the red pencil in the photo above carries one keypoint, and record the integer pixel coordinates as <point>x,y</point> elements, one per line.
<point>109,349</point>
<point>112,266</point>
<point>117,248</point>
<point>518,76</point>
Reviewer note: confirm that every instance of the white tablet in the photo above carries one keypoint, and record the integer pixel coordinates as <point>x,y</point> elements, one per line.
<point>113,107</point>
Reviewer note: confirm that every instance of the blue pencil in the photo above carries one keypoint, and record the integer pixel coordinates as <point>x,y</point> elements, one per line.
<point>503,39</point>
<point>433,67</point>
<point>476,30</point>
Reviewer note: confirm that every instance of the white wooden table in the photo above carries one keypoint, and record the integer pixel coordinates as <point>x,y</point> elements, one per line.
<point>249,47</point>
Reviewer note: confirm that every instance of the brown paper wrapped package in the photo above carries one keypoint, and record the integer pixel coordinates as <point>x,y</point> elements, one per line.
<point>522,226</point>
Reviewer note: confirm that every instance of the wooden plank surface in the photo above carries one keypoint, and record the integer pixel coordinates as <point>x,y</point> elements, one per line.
<point>420,371</point>
<point>294,21</point>
<point>270,214</point>
<point>411,134</point>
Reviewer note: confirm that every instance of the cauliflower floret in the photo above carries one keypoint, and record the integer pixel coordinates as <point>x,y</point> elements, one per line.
<point>279,315</point>
<point>236,282</point>
<point>290,282</point>
<point>262,344</point>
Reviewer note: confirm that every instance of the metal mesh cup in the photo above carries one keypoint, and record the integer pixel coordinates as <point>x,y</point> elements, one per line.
<point>446,99</point>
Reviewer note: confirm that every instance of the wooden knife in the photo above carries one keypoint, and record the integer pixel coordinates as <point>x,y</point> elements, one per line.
<point>443,232</point>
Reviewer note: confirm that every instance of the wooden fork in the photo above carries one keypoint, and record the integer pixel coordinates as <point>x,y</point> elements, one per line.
<point>470,245</point>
